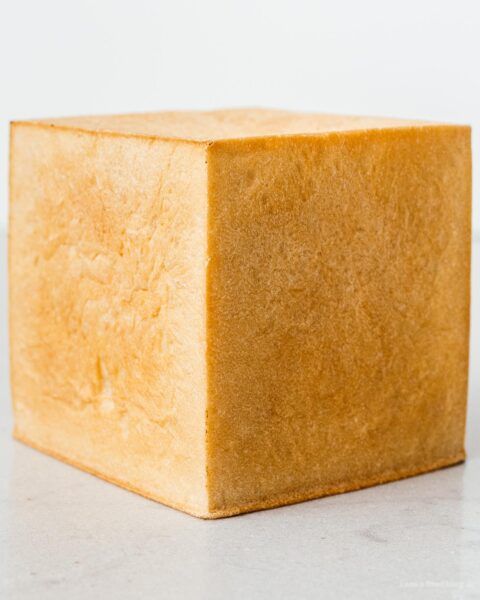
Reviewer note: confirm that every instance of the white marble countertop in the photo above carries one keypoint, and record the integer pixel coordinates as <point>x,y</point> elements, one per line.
<point>66,534</point>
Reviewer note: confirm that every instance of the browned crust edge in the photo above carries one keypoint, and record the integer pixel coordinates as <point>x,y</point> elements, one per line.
<point>234,139</point>
<point>281,500</point>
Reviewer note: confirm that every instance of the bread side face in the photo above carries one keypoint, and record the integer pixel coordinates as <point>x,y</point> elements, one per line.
<point>338,312</point>
<point>107,263</point>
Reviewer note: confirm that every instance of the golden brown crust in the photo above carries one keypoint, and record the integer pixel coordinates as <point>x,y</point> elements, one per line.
<point>351,486</point>
<point>208,126</point>
<point>93,132</point>
<point>337,293</point>
<point>106,315</point>
<point>274,502</point>
<point>296,330</point>
<point>110,479</point>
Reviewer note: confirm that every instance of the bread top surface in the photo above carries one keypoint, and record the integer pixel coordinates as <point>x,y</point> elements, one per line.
<point>209,126</point>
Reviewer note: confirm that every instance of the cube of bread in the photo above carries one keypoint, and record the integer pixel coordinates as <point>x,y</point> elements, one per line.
<point>234,310</point>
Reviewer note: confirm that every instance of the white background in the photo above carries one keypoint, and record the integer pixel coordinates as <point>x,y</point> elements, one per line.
<point>405,58</point>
